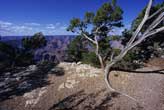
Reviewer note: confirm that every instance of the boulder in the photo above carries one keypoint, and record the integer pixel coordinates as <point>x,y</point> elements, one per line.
<point>32,68</point>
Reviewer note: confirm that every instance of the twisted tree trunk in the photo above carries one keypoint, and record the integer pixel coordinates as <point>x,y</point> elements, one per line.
<point>134,41</point>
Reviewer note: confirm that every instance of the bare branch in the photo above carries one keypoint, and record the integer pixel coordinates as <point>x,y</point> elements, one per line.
<point>106,56</point>
<point>98,54</point>
<point>157,21</point>
<point>148,8</point>
<point>88,38</point>
<point>112,55</point>
<point>97,45</point>
<point>141,24</point>
<point>97,29</point>
<point>156,13</point>
<point>132,44</point>
<point>91,40</point>
<point>95,41</point>
<point>155,31</point>
<point>123,53</point>
<point>145,36</point>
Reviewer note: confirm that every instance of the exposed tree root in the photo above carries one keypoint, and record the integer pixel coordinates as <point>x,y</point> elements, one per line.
<point>107,81</point>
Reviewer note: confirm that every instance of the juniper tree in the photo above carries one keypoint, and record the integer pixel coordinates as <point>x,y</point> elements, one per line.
<point>108,17</point>
<point>36,41</point>
<point>150,47</point>
<point>102,22</point>
<point>30,44</point>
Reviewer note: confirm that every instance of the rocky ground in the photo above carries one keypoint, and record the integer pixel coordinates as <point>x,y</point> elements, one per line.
<point>71,86</point>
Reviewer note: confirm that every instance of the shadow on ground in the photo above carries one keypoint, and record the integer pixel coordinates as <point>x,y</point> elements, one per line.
<point>16,84</point>
<point>84,101</point>
<point>160,71</point>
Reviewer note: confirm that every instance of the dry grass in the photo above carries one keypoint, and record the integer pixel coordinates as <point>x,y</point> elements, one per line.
<point>157,62</point>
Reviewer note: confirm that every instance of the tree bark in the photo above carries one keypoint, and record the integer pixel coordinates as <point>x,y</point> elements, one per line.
<point>107,72</point>
<point>151,30</point>
<point>101,62</point>
<point>109,85</point>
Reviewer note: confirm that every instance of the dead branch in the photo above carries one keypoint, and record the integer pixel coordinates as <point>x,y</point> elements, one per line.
<point>131,44</point>
<point>134,41</point>
<point>141,24</point>
<point>91,40</point>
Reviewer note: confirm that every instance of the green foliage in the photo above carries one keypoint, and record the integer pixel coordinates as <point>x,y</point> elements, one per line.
<point>13,56</point>
<point>129,62</point>
<point>78,51</point>
<point>90,58</point>
<point>75,49</point>
<point>141,52</point>
<point>36,41</point>
<point>107,17</point>
<point>46,66</point>
<point>89,16</point>
<point>126,35</point>
<point>152,47</point>
<point>8,55</point>
<point>75,25</point>
<point>24,59</point>
<point>105,46</point>
<point>109,14</point>
<point>138,20</point>
<point>30,44</point>
<point>5,51</point>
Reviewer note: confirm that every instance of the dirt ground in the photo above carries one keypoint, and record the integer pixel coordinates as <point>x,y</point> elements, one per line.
<point>80,90</point>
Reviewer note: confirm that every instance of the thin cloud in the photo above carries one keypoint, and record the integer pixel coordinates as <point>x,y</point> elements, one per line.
<point>50,26</point>
<point>63,27</point>
<point>10,29</point>
<point>21,28</point>
<point>4,24</point>
<point>58,24</point>
<point>32,24</point>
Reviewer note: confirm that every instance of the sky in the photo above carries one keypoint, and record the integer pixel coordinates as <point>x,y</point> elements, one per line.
<point>26,17</point>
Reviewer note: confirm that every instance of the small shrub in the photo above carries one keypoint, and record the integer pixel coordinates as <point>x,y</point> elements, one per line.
<point>46,66</point>
<point>90,58</point>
